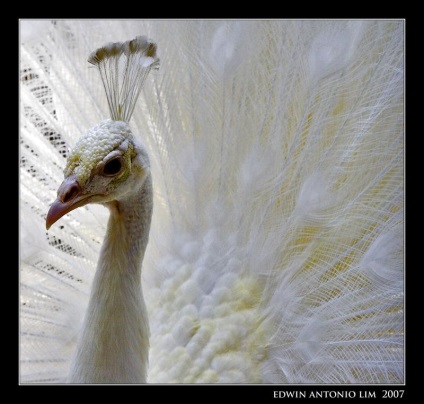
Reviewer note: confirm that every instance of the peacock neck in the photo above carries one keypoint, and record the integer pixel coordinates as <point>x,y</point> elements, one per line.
<point>114,343</point>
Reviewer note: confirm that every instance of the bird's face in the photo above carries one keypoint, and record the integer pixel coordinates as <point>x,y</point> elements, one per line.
<point>105,165</point>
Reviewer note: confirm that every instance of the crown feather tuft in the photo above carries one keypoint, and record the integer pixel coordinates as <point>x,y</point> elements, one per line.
<point>123,67</point>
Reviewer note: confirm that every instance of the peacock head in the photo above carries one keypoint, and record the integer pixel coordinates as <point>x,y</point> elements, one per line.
<point>105,165</point>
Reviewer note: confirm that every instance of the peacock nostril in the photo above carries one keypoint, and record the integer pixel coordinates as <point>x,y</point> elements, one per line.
<point>71,193</point>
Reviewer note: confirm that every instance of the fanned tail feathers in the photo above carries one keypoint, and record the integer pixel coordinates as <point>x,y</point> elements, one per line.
<point>276,247</point>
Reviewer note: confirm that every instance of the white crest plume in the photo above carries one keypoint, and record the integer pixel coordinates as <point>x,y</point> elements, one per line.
<point>123,68</point>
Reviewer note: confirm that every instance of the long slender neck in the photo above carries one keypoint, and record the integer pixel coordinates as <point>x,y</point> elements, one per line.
<point>114,342</point>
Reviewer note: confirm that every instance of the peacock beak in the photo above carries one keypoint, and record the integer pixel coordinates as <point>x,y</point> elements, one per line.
<point>68,198</point>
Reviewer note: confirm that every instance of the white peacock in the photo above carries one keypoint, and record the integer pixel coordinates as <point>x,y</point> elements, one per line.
<point>271,156</point>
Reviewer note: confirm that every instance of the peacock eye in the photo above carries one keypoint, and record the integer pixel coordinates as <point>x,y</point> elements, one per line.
<point>112,167</point>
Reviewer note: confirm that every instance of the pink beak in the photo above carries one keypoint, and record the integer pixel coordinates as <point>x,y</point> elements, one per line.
<point>68,198</point>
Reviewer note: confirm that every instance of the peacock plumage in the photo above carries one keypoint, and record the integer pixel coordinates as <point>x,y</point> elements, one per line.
<point>276,153</point>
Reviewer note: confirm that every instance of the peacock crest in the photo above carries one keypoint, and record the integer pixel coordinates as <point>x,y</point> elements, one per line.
<point>123,67</point>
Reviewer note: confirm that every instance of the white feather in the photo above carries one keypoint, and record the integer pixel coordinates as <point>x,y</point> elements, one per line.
<point>276,247</point>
